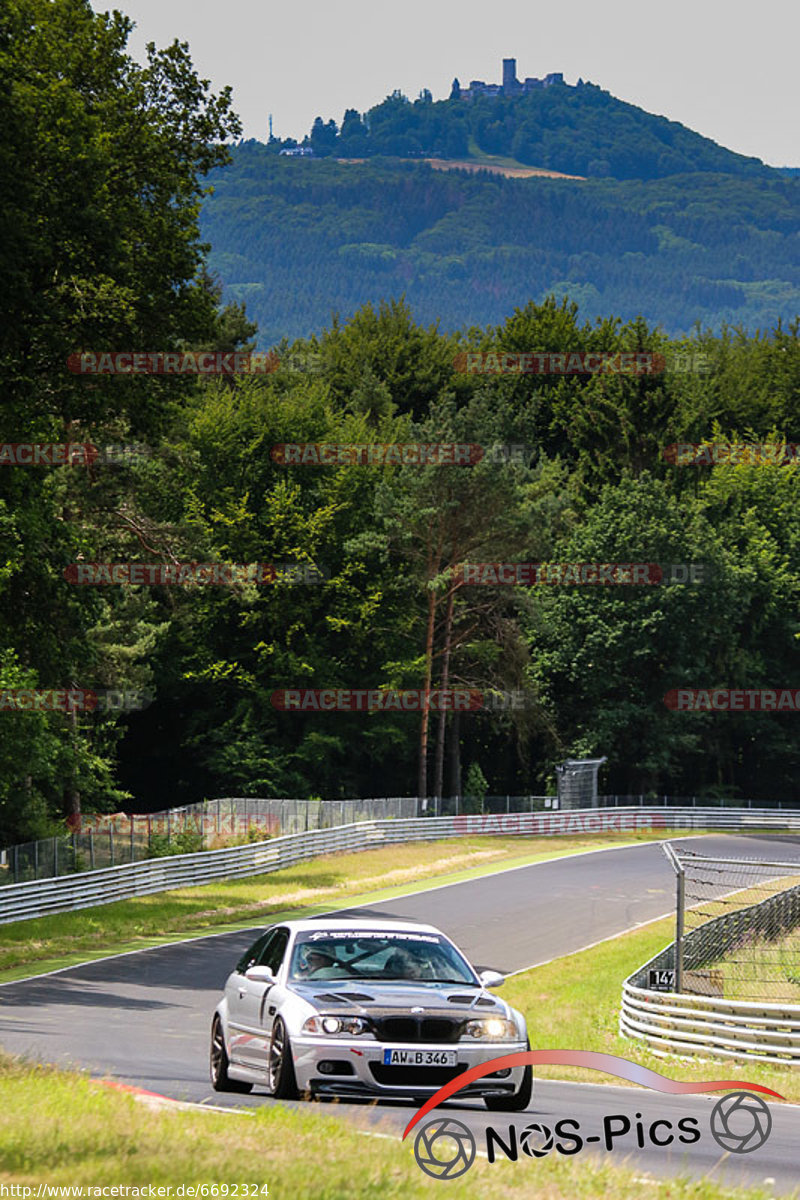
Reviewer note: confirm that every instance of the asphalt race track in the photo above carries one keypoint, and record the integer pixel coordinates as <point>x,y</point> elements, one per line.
<point>144,1018</point>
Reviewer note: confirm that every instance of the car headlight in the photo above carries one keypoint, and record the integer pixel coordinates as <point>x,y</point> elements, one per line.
<point>491,1029</point>
<point>335,1025</point>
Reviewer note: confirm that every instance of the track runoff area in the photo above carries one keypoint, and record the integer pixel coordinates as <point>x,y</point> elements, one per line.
<point>143,1018</point>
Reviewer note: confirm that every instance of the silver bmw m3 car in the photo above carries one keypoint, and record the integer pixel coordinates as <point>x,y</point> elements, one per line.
<point>365,1008</point>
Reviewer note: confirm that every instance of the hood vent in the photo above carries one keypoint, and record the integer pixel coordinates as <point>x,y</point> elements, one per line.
<point>346,997</point>
<point>482,1001</point>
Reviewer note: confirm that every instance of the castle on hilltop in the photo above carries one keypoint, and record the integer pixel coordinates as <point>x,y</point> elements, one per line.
<point>511,86</point>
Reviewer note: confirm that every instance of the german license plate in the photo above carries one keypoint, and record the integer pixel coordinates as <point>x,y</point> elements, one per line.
<point>419,1058</point>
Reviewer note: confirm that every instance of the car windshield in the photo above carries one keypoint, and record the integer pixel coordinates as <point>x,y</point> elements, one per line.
<point>378,955</point>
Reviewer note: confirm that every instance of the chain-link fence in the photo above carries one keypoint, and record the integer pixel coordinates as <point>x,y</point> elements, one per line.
<point>651,800</point>
<point>737,927</point>
<point>455,806</point>
<point>107,840</point>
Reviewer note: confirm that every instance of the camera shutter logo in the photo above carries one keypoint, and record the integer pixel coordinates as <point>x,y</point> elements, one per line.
<point>536,1140</point>
<point>444,1148</point>
<point>741,1122</point>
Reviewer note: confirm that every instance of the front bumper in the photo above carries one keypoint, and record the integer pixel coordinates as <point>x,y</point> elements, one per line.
<point>359,1069</point>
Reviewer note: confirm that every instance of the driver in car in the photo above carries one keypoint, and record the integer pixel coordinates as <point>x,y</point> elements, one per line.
<point>318,963</point>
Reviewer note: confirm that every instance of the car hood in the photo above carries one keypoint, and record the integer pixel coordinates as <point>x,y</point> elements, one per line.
<point>362,996</point>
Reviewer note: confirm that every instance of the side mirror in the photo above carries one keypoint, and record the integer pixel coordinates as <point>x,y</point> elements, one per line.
<point>491,979</point>
<point>259,975</point>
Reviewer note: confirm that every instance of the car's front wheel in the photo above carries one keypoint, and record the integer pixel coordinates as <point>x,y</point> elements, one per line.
<point>518,1101</point>
<point>282,1082</point>
<point>220,1080</point>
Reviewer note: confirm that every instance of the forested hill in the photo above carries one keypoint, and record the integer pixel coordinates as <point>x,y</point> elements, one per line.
<point>298,239</point>
<point>581,130</point>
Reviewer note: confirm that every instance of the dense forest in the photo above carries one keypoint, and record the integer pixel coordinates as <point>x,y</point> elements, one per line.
<point>106,255</point>
<point>297,240</point>
<point>581,130</point>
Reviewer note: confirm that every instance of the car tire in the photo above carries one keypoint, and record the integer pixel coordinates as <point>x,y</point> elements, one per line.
<point>517,1101</point>
<point>280,1069</point>
<point>220,1080</point>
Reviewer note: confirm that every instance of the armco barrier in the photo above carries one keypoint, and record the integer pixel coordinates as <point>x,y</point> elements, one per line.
<point>680,1023</point>
<point>41,897</point>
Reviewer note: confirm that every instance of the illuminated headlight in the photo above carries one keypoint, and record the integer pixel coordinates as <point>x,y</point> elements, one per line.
<point>491,1029</point>
<point>334,1025</point>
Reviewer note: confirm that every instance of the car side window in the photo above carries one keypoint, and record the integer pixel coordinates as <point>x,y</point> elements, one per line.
<point>255,954</point>
<point>272,954</point>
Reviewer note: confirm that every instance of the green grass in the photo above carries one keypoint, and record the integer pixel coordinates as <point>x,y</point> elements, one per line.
<point>493,160</point>
<point>768,970</point>
<point>60,1128</point>
<point>49,943</point>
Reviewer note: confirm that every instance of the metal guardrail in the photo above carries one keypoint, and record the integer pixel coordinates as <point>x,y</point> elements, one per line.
<point>41,897</point>
<point>679,1023</point>
<point>85,890</point>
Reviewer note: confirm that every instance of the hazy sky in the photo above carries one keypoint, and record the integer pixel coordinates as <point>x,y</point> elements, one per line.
<point>725,68</point>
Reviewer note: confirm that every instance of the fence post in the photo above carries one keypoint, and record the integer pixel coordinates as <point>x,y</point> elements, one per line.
<point>111,845</point>
<point>16,864</point>
<point>35,860</point>
<point>91,848</point>
<point>55,856</point>
<point>679,915</point>
<point>74,851</point>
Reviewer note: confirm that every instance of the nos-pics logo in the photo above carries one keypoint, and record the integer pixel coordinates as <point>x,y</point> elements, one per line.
<point>445,1148</point>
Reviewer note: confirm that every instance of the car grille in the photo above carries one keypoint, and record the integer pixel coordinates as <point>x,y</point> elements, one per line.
<point>414,1076</point>
<point>417,1029</point>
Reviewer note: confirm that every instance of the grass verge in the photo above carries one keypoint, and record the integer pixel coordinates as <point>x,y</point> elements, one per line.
<point>49,943</point>
<point>60,1128</point>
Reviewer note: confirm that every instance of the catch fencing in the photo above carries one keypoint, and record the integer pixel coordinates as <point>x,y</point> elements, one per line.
<point>38,898</point>
<point>111,839</point>
<point>729,985</point>
<point>114,839</point>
